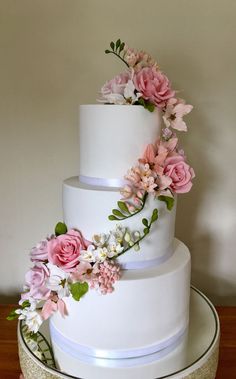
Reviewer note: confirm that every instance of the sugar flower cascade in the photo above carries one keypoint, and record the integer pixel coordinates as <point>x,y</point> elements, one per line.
<point>65,263</point>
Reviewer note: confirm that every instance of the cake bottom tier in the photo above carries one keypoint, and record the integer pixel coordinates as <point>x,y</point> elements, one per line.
<point>146,316</point>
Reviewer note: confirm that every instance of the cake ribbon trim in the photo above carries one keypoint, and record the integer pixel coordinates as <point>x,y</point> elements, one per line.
<point>89,354</point>
<point>140,265</point>
<point>102,182</point>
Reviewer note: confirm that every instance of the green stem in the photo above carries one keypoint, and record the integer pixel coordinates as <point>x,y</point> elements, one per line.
<point>113,52</point>
<point>135,243</point>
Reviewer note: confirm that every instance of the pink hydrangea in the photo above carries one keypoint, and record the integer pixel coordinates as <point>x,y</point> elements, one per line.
<point>104,276</point>
<point>180,172</point>
<point>36,280</point>
<point>153,86</point>
<point>64,250</point>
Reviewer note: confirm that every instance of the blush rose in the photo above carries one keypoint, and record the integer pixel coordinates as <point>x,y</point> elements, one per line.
<point>180,173</point>
<point>36,279</point>
<point>64,250</point>
<point>153,86</point>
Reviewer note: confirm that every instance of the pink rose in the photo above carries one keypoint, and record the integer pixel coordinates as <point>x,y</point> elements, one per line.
<point>113,90</point>
<point>180,173</point>
<point>153,85</point>
<point>39,253</point>
<point>64,250</point>
<point>36,279</point>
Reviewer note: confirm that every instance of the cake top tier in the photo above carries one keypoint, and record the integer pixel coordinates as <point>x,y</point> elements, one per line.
<point>111,138</point>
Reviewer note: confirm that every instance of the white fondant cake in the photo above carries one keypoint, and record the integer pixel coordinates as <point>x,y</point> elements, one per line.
<point>117,238</point>
<point>148,310</point>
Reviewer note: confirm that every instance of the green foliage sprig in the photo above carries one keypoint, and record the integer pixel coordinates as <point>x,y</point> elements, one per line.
<point>147,227</point>
<point>116,49</point>
<point>123,212</point>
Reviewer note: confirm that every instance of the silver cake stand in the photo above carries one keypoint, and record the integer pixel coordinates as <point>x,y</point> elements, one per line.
<point>195,358</point>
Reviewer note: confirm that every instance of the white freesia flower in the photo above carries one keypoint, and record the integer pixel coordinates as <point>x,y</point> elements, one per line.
<point>57,281</point>
<point>99,239</point>
<point>114,249</point>
<point>88,255</point>
<point>117,235</point>
<point>32,318</point>
<point>101,254</point>
<point>33,321</point>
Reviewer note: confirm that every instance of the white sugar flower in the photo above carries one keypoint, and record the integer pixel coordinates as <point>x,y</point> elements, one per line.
<point>129,92</point>
<point>101,254</point>
<point>114,249</point>
<point>117,235</point>
<point>88,255</point>
<point>57,281</point>
<point>33,320</point>
<point>99,239</point>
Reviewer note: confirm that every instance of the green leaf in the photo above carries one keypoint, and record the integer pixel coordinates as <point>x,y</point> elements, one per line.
<point>146,104</point>
<point>117,213</point>
<point>146,231</point>
<point>107,51</point>
<point>168,200</point>
<point>112,45</point>
<point>145,222</point>
<point>118,42</point>
<point>25,304</point>
<point>112,218</point>
<point>121,47</point>
<point>154,215</point>
<point>122,205</point>
<point>12,315</point>
<point>60,228</point>
<point>78,290</point>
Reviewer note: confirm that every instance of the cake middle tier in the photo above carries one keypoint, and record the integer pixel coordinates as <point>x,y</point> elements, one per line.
<point>87,208</point>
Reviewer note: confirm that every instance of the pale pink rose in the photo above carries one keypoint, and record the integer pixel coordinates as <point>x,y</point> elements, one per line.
<point>64,250</point>
<point>180,173</point>
<point>36,279</point>
<point>113,90</point>
<point>153,86</point>
<point>174,112</point>
<point>39,253</point>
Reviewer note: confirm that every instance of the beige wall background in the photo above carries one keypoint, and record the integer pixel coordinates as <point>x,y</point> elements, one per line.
<point>52,59</point>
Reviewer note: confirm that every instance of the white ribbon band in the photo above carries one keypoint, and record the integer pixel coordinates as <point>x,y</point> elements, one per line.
<point>116,358</point>
<point>140,265</point>
<point>102,182</point>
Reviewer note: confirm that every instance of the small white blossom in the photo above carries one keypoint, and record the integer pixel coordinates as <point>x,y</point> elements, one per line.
<point>101,254</point>
<point>129,92</point>
<point>33,320</point>
<point>88,255</point>
<point>57,281</point>
<point>99,239</point>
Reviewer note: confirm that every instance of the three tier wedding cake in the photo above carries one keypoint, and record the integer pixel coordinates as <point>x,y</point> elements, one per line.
<point>113,279</point>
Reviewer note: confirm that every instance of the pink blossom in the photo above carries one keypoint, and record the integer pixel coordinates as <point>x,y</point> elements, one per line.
<point>53,305</point>
<point>113,90</point>
<point>36,279</point>
<point>131,56</point>
<point>180,173</point>
<point>39,253</point>
<point>155,156</point>
<point>126,192</point>
<point>175,110</point>
<point>105,274</point>
<point>64,250</point>
<point>153,86</point>
<point>82,272</point>
<point>142,177</point>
